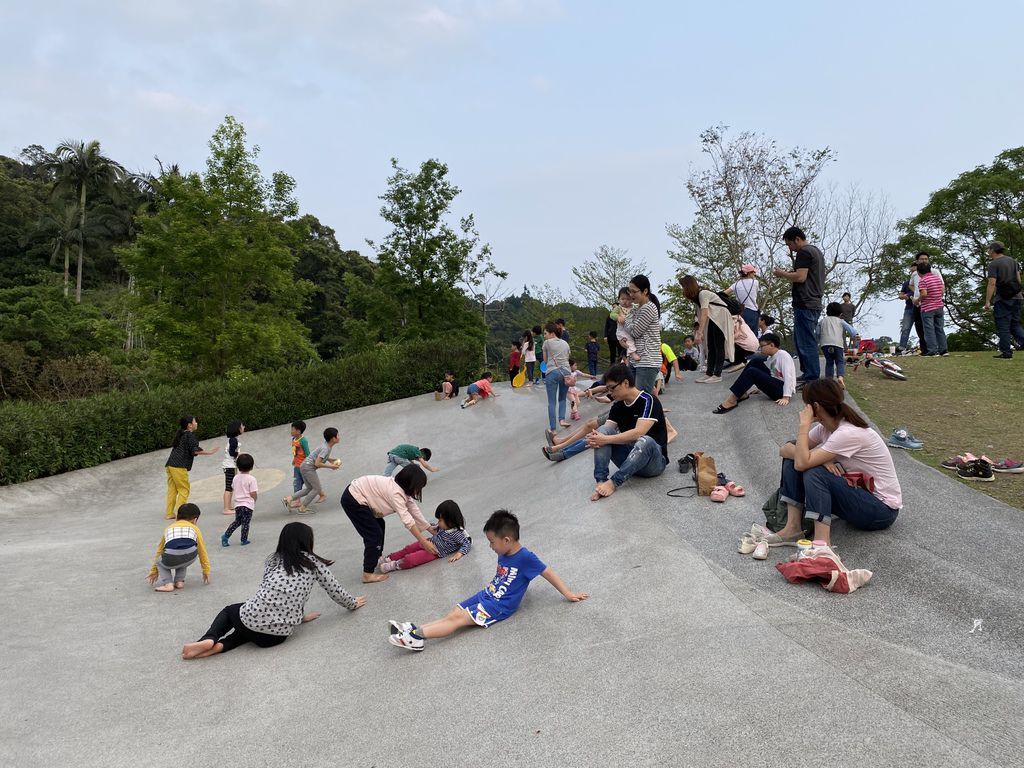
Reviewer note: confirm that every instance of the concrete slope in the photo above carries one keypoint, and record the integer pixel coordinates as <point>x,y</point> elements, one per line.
<point>686,654</point>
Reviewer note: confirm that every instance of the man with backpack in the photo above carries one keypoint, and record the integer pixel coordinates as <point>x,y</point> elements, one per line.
<point>808,279</point>
<point>1004,287</point>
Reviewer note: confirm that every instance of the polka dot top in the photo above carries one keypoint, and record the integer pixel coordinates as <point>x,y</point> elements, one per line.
<point>277,608</point>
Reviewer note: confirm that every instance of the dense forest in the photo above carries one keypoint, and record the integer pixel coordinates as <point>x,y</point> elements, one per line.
<point>112,280</point>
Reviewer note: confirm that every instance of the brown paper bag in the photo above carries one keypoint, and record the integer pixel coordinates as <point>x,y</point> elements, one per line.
<point>707,474</point>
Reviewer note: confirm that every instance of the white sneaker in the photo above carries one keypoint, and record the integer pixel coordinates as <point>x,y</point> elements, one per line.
<point>388,566</point>
<point>407,641</point>
<point>398,627</point>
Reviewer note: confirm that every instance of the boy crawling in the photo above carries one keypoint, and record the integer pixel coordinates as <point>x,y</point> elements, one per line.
<point>517,566</point>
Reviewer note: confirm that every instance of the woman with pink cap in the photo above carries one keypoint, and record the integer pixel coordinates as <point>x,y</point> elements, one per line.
<point>745,291</point>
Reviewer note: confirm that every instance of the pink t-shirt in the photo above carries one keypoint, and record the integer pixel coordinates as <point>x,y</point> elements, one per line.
<point>932,283</point>
<point>485,387</point>
<point>243,487</point>
<point>861,449</point>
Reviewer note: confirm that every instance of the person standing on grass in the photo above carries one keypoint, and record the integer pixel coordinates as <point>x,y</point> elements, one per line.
<point>922,257</point>
<point>929,298</point>
<point>184,450</point>
<point>714,328</point>
<point>1004,299</point>
<point>907,323</point>
<point>369,499</point>
<point>848,309</point>
<point>556,358</point>
<point>644,325</point>
<point>808,279</point>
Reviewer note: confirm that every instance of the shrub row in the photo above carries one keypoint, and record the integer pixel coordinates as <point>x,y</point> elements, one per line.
<point>41,439</point>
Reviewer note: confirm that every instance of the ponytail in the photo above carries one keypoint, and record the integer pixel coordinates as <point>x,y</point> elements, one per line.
<point>183,423</point>
<point>831,398</point>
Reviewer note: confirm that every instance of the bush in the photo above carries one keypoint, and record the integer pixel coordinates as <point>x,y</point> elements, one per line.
<point>41,439</point>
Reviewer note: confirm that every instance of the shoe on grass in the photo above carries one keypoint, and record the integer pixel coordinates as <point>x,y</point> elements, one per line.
<point>901,438</point>
<point>955,462</point>
<point>978,470</point>
<point>1006,466</point>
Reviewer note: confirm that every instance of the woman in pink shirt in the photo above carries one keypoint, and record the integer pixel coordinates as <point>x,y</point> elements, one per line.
<point>813,469</point>
<point>369,499</point>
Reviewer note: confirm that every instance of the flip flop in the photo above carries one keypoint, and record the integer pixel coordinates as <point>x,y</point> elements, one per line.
<point>719,494</point>
<point>734,490</point>
<point>723,409</point>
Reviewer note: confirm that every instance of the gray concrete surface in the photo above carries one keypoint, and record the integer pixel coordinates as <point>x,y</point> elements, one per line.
<point>686,654</point>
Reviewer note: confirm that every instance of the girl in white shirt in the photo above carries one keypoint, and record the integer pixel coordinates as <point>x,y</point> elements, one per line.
<point>745,291</point>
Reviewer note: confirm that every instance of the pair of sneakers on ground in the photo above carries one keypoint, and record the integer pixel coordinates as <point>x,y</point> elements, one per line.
<point>760,539</point>
<point>970,467</point>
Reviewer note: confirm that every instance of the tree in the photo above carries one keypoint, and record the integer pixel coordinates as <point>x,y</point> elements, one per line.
<point>422,260</point>
<point>214,270</point>
<point>23,249</point>
<point>751,193</point>
<point>955,227</point>
<point>80,168</point>
<point>599,278</point>
<point>322,262</point>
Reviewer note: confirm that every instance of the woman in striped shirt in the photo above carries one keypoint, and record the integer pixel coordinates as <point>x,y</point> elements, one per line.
<point>449,539</point>
<point>644,325</point>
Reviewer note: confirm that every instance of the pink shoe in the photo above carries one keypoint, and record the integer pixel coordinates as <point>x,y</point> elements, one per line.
<point>720,493</point>
<point>575,415</point>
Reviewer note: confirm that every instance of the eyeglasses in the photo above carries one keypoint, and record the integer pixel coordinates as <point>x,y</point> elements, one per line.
<point>633,291</point>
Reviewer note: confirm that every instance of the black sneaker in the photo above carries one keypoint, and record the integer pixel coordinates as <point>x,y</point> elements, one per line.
<point>1003,357</point>
<point>979,470</point>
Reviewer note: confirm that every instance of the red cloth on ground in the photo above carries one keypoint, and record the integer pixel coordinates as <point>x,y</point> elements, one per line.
<point>824,566</point>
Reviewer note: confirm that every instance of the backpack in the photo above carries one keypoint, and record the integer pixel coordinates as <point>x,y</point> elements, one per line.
<point>776,513</point>
<point>730,303</point>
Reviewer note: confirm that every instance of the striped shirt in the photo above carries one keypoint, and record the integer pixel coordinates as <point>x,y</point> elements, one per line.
<point>644,325</point>
<point>451,541</point>
<point>931,284</point>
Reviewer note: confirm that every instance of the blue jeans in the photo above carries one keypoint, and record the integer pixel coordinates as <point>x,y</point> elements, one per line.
<point>592,367</point>
<point>835,361</point>
<point>756,374</point>
<point>750,317</point>
<point>934,331</point>
<point>394,463</point>
<point>296,480</point>
<point>645,378</point>
<point>642,458</point>
<point>1007,317</point>
<point>554,382</point>
<point>906,326</point>
<point>805,335</point>
<point>823,495</point>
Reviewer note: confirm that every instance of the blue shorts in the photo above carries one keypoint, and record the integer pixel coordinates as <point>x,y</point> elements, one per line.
<point>472,389</point>
<point>484,610</point>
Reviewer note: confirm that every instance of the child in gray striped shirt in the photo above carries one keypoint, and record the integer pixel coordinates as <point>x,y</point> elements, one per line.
<point>449,536</point>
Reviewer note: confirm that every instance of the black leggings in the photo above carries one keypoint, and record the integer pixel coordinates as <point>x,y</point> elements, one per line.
<point>368,526</point>
<point>716,349</point>
<point>229,630</point>
<point>243,516</point>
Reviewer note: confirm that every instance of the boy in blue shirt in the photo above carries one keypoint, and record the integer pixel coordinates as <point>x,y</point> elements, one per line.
<point>517,566</point>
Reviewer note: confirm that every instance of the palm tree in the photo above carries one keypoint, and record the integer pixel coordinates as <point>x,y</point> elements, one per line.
<point>63,222</point>
<point>80,167</point>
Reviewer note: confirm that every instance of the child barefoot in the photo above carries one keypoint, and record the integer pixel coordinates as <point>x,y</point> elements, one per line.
<point>517,566</point>
<point>448,389</point>
<point>573,393</point>
<point>181,543</point>
<point>244,489</point>
<point>449,539</point>
<point>273,613</point>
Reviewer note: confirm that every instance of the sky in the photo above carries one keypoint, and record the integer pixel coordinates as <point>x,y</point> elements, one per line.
<point>567,124</point>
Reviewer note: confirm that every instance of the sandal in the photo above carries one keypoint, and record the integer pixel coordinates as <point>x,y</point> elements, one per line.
<point>955,462</point>
<point>735,490</point>
<point>719,493</point>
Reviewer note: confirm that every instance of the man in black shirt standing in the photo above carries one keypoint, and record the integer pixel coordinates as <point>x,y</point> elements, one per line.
<point>808,279</point>
<point>634,438</point>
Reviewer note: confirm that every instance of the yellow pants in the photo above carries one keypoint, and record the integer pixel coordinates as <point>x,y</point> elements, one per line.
<point>177,489</point>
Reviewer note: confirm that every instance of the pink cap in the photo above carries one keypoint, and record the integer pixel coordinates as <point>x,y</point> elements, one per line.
<point>748,268</point>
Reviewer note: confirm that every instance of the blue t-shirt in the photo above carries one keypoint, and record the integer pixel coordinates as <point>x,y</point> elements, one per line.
<point>510,581</point>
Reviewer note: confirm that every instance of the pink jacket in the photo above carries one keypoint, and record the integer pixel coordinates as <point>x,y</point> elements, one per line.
<point>385,497</point>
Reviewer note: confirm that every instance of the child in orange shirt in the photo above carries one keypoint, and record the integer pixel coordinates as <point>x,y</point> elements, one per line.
<point>480,389</point>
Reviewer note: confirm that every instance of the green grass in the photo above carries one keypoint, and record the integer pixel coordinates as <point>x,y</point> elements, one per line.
<point>965,402</point>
